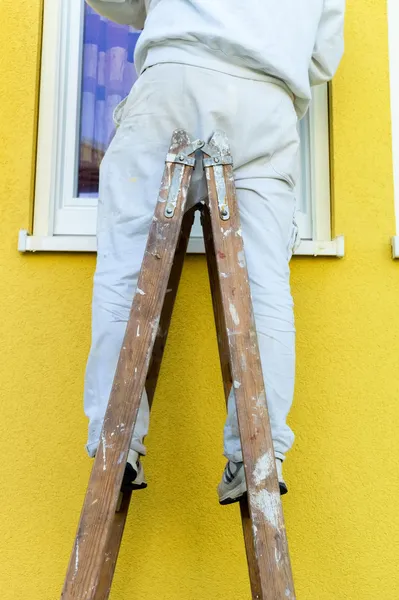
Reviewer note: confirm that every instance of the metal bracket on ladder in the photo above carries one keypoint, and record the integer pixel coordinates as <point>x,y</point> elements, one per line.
<point>181,159</point>
<point>93,560</point>
<point>217,158</point>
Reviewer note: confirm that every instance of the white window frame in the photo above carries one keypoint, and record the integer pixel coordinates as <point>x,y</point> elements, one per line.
<point>393,32</point>
<point>63,222</point>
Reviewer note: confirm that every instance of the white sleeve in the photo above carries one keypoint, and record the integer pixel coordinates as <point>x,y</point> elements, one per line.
<point>125,12</point>
<point>329,45</point>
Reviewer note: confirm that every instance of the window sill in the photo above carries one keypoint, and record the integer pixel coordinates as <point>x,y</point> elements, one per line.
<point>86,243</point>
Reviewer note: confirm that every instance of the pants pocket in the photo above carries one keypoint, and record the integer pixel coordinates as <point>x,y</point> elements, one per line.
<point>295,238</point>
<point>117,115</point>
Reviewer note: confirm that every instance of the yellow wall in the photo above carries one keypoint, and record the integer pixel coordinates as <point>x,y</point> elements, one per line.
<point>342,513</point>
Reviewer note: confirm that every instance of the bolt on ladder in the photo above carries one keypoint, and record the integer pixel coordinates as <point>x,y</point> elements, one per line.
<point>95,551</point>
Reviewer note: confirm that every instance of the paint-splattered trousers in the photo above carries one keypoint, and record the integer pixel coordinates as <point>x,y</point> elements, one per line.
<point>261,124</point>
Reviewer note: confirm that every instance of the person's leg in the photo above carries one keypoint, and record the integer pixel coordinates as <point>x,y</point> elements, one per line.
<point>267,212</point>
<point>130,177</point>
<point>124,215</point>
<point>268,233</point>
<point>266,199</point>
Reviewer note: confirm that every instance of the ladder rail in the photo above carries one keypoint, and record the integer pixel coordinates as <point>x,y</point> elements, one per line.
<point>268,527</point>
<point>115,540</point>
<point>100,504</point>
<point>223,345</point>
<point>103,588</point>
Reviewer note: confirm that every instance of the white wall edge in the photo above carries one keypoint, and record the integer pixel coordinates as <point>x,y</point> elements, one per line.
<point>395,246</point>
<point>393,42</point>
<point>87,243</point>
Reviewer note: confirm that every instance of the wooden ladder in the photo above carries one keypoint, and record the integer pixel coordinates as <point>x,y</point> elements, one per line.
<point>95,551</point>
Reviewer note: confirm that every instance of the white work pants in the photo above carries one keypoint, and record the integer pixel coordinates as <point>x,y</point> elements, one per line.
<point>260,122</point>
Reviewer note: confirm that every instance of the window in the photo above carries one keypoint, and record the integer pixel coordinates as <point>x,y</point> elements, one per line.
<point>393,23</point>
<point>87,69</point>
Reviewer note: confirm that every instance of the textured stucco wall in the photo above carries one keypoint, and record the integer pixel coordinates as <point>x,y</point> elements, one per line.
<point>341,514</point>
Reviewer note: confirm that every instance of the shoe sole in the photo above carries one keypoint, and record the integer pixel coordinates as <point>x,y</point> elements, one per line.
<point>131,487</point>
<point>234,495</point>
<point>133,480</point>
<point>242,495</point>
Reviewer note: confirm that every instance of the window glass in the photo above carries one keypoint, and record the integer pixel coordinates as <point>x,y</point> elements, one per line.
<point>107,77</point>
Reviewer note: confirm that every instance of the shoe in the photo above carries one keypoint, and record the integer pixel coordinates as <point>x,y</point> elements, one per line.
<point>133,478</point>
<point>233,485</point>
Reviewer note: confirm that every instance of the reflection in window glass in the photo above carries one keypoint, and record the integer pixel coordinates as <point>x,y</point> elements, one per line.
<point>107,77</point>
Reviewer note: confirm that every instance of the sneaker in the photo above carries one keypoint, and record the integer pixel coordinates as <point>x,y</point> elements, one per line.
<point>133,478</point>
<point>233,485</point>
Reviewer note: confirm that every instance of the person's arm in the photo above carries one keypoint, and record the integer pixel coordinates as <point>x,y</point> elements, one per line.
<point>329,45</point>
<point>124,12</point>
